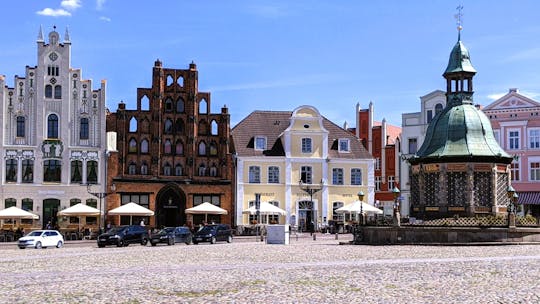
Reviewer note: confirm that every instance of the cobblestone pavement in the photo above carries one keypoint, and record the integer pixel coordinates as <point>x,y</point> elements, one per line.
<point>306,271</point>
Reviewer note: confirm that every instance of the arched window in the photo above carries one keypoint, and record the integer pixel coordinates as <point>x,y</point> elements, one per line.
<point>213,149</point>
<point>145,103</point>
<point>58,92</point>
<point>144,146</point>
<point>213,170</point>
<point>144,169</point>
<point>52,126</point>
<point>167,147</point>
<point>170,80</point>
<point>180,81</point>
<point>132,168</point>
<point>168,126</point>
<point>48,91</point>
<point>167,169</point>
<point>202,170</point>
<point>168,104</point>
<point>179,148</point>
<point>21,121</point>
<point>203,106</point>
<point>178,170</point>
<point>52,171</point>
<point>132,146</point>
<point>214,128</point>
<point>179,126</point>
<point>76,171</point>
<point>133,124</point>
<point>438,108</point>
<point>92,172</point>
<point>84,132</point>
<point>180,105</point>
<point>202,148</point>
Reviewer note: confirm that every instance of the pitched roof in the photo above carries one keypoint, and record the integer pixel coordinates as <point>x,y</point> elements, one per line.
<point>271,124</point>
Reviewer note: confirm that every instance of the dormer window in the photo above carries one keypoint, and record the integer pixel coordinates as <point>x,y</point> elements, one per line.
<point>344,145</point>
<point>260,143</point>
<point>306,145</point>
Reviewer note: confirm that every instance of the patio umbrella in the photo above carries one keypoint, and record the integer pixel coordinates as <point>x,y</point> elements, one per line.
<point>131,209</point>
<point>80,210</point>
<point>354,207</point>
<point>15,213</point>
<point>266,209</point>
<point>206,208</point>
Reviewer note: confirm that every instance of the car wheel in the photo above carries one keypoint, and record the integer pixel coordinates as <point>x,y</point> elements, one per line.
<point>59,245</point>
<point>188,241</point>
<point>100,246</point>
<point>22,247</point>
<point>195,242</point>
<point>120,243</point>
<point>38,245</point>
<point>144,241</point>
<point>213,240</point>
<point>229,239</point>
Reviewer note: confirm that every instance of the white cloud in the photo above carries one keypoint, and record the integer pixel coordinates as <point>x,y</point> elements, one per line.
<point>106,19</point>
<point>99,4</point>
<point>53,12</point>
<point>70,5</point>
<point>496,96</point>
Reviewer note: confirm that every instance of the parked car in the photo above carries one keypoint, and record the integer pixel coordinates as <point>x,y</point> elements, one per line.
<point>213,233</point>
<point>41,239</point>
<point>123,236</point>
<point>172,235</point>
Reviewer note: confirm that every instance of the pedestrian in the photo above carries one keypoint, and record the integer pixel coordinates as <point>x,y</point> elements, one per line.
<point>142,223</point>
<point>49,225</point>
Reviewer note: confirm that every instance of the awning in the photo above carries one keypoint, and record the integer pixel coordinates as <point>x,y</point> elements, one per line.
<point>529,198</point>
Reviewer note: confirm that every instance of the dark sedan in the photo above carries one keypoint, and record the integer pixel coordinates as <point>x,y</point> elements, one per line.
<point>213,233</point>
<point>172,235</point>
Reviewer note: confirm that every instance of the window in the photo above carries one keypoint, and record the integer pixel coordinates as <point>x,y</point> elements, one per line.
<point>27,204</point>
<point>92,172</point>
<point>438,108</point>
<point>391,182</point>
<point>132,168</point>
<point>179,126</point>
<point>413,146</point>
<point>337,216</point>
<point>535,171</point>
<point>213,149</point>
<point>306,174</point>
<point>167,169</point>
<point>132,146</point>
<point>202,170</point>
<point>28,171</point>
<point>167,147</point>
<point>213,170</point>
<point>10,202</point>
<point>178,170</point>
<point>214,128</point>
<point>356,176</point>
<point>273,218</point>
<point>84,131</point>
<point>168,126</point>
<point>260,143</point>
<point>144,146</point>
<point>202,106</point>
<point>168,104</point>
<point>254,175</point>
<point>514,171</point>
<point>273,175</point>
<point>306,145</point>
<point>344,145</point>
<point>48,91</point>
<point>534,139</point>
<point>214,199</point>
<point>429,116</point>
<point>378,163</point>
<point>179,148</point>
<point>202,148</point>
<point>180,105</point>
<point>377,183</point>
<point>52,126</point>
<point>76,171</point>
<point>141,199</point>
<point>133,124</point>
<point>337,176</point>
<point>52,171</point>
<point>58,92</point>
<point>513,140</point>
<point>11,170</point>
<point>20,126</point>
<point>144,169</point>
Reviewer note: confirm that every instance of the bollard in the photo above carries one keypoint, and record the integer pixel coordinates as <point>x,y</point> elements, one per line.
<point>314,237</point>
<point>336,236</point>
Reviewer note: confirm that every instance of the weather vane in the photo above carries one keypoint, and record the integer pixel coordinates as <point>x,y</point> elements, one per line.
<point>459,17</point>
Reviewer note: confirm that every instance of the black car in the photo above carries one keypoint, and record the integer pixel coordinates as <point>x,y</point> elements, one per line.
<point>171,235</point>
<point>123,236</point>
<point>213,233</point>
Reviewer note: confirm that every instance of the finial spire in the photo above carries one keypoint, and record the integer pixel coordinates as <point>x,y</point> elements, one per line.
<point>66,35</point>
<point>40,34</point>
<point>459,21</point>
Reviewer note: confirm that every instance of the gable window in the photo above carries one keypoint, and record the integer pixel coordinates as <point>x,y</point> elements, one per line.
<point>306,145</point>
<point>273,175</point>
<point>356,176</point>
<point>52,171</point>
<point>378,183</point>
<point>513,140</point>
<point>337,176</point>
<point>84,131</point>
<point>52,126</point>
<point>344,145</point>
<point>28,171</point>
<point>254,175</point>
<point>413,145</point>
<point>306,175</point>
<point>514,170</point>
<point>11,170</point>
<point>260,143</point>
<point>76,171</point>
<point>20,126</point>
<point>535,171</point>
<point>534,139</point>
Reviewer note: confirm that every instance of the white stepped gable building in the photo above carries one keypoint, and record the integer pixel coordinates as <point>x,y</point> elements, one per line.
<point>53,137</point>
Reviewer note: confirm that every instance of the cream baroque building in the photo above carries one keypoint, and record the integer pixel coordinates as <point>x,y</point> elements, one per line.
<point>53,134</point>
<point>276,150</point>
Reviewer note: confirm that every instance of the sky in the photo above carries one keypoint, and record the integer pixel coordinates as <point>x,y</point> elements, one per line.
<point>278,55</point>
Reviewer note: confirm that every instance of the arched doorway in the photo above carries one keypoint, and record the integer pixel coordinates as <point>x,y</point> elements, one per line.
<point>306,216</point>
<point>170,207</point>
<point>50,209</point>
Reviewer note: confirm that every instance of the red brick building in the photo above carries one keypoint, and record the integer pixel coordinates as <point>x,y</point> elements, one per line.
<point>170,153</point>
<point>382,140</point>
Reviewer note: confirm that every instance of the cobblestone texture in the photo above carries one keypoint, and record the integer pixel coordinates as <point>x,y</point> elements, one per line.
<point>246,271</point>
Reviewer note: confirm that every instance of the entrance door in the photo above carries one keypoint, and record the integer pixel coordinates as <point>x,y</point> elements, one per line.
<point>171,204</point>
<point>306,218</point>
<point>50,209</point>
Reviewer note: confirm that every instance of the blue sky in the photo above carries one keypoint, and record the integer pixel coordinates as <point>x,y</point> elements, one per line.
<point>277,55</point>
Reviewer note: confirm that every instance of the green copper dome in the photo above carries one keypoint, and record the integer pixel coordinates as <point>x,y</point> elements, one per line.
<point>459,61</point>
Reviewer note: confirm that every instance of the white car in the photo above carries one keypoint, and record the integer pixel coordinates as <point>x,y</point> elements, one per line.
<point>42,239</point>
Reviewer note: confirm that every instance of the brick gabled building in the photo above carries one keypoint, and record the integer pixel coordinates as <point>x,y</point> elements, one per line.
<point>172,153</point>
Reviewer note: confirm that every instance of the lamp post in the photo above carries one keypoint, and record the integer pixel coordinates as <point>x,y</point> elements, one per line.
<point>361,200</point>
<point>100,195</point>
<point>397,216</point>
<point>310,189</point>
<point>512,199</point>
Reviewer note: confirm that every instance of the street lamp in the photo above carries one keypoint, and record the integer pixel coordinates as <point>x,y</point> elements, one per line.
<point>310,189</point>
<point>512,198</point>
<point>100,195</point>
<point>397,216</point>
<point>361,200</point>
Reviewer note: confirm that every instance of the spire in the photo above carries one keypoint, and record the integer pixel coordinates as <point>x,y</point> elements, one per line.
<point>458,17</point>
<point>66,36</point>
<point>40,35</point>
